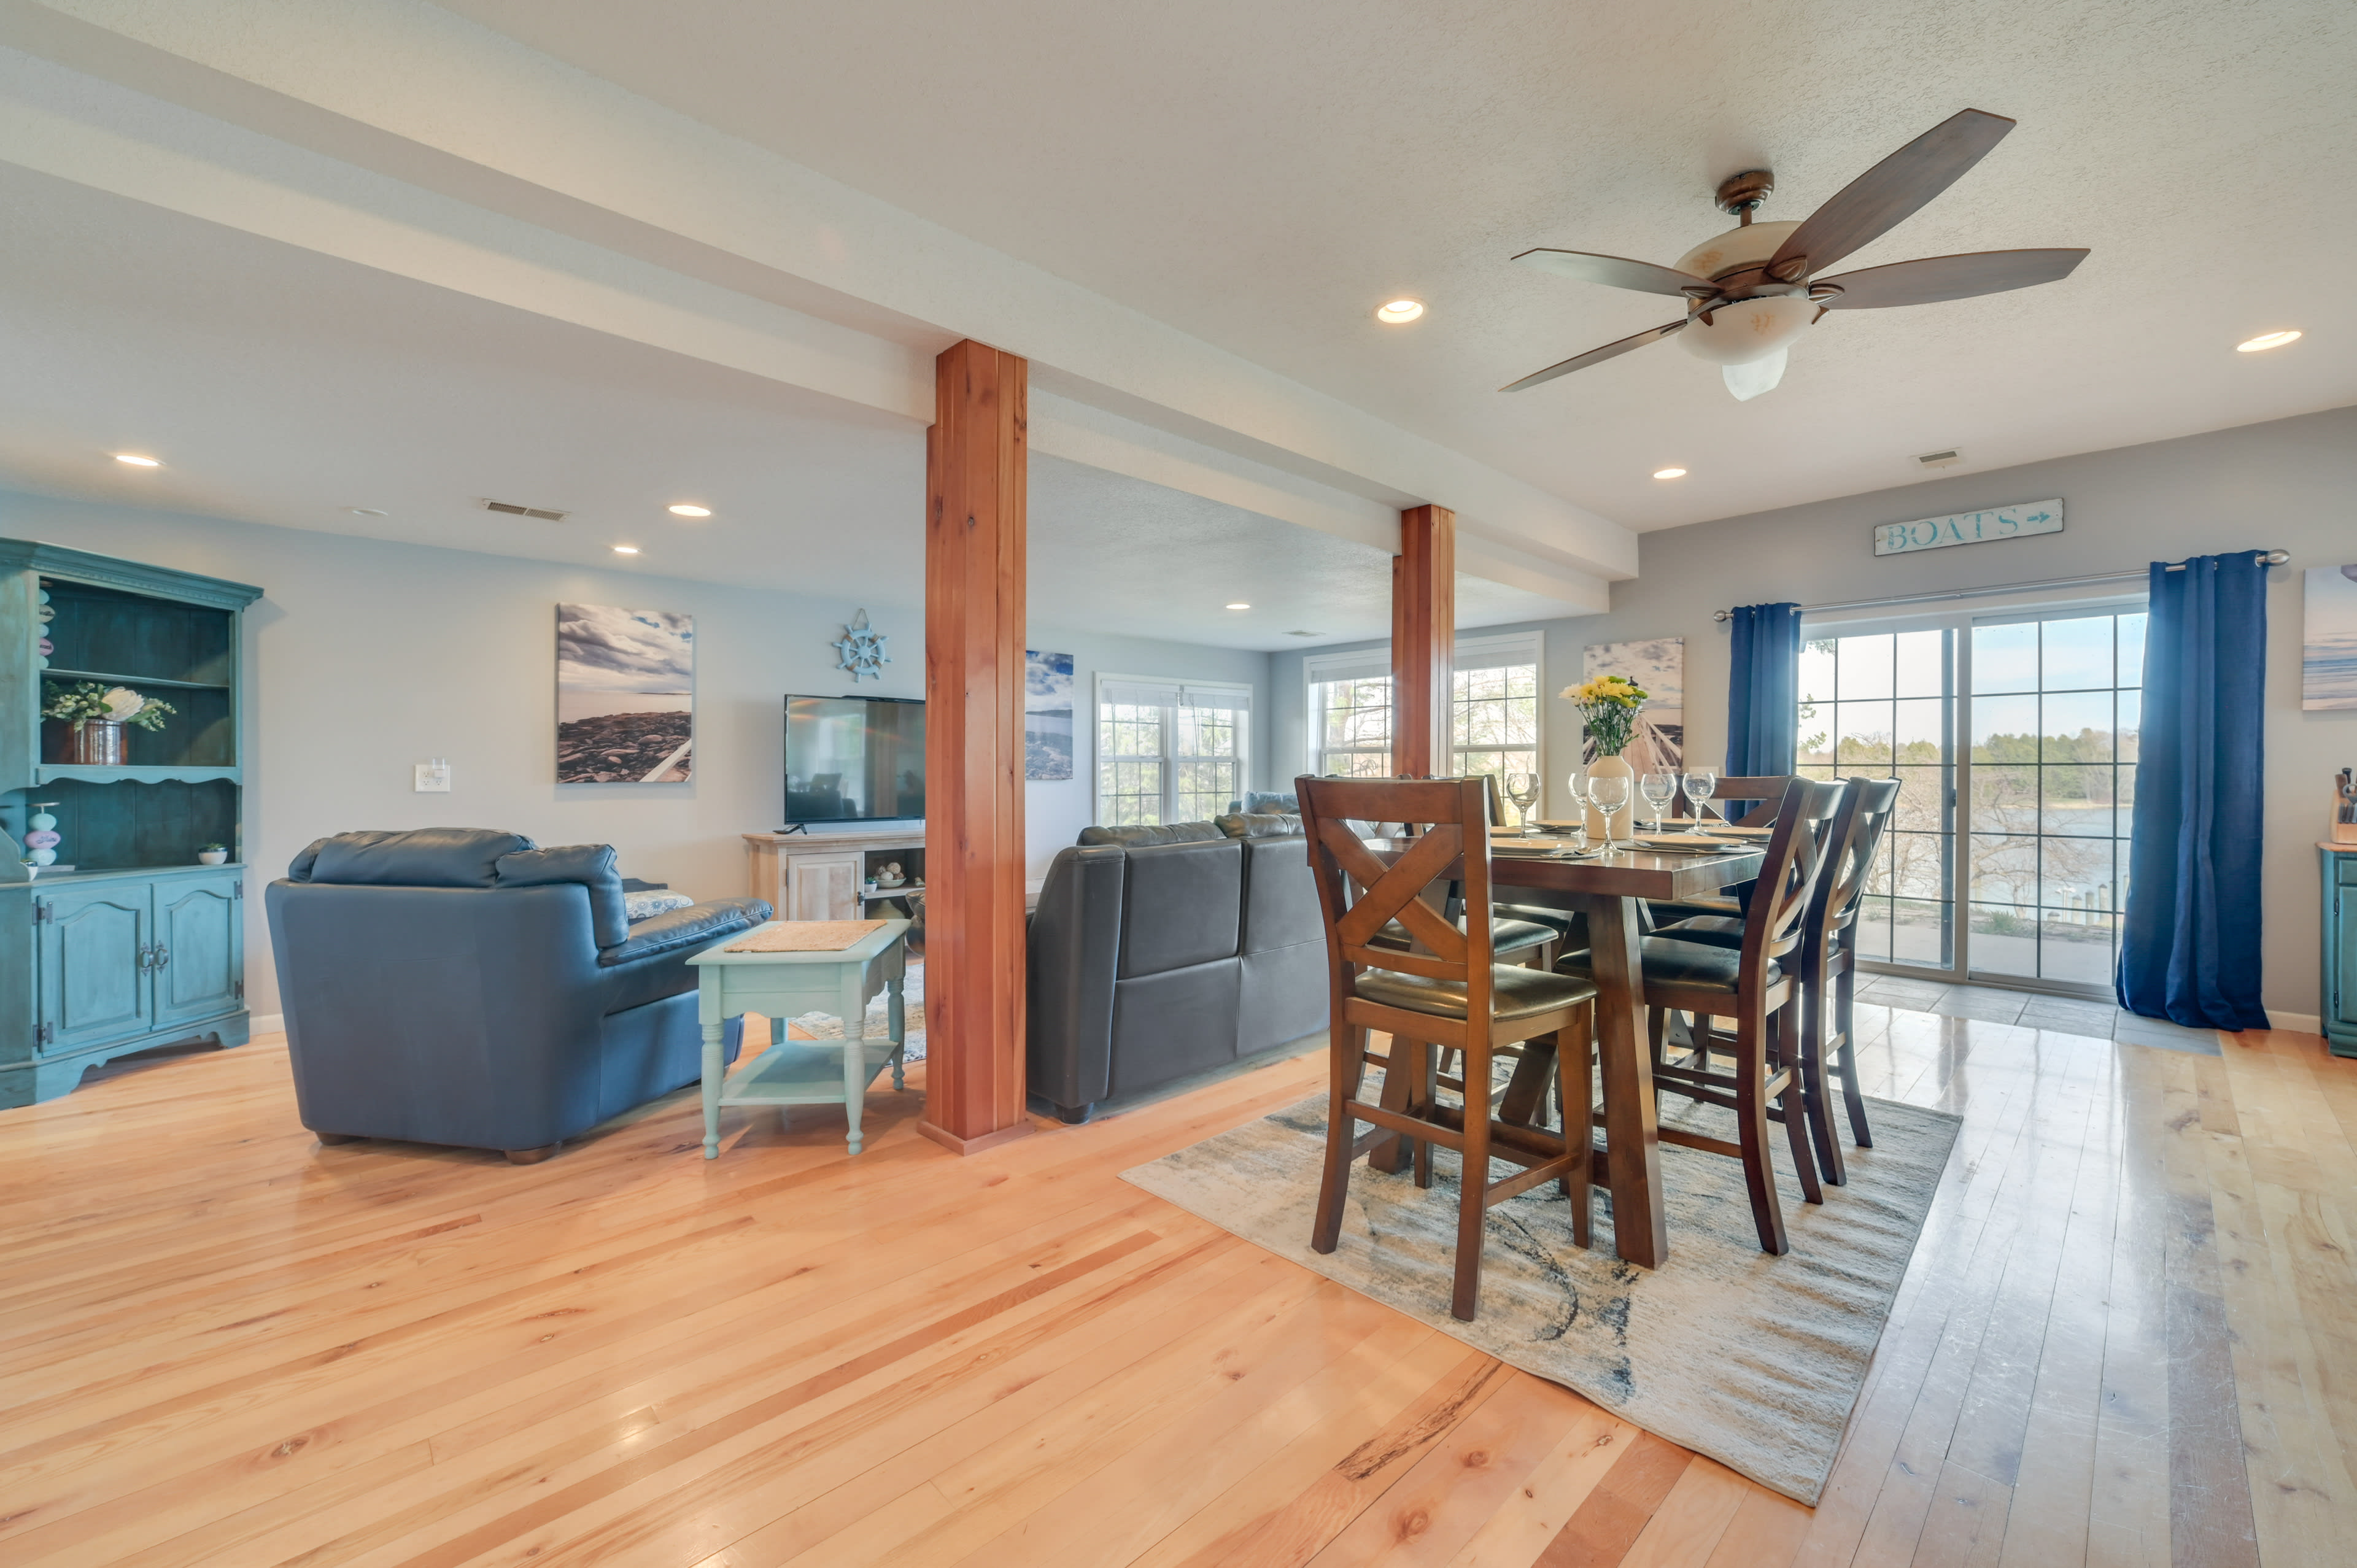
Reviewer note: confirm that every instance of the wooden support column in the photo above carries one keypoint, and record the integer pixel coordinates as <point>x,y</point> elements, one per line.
<point>975,470</point>
<point>1424,640</point>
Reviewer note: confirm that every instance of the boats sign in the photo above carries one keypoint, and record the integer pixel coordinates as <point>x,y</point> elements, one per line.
<point>1968,528</point>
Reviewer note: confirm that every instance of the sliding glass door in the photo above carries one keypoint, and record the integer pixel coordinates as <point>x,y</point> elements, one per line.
<point>2014,737</point>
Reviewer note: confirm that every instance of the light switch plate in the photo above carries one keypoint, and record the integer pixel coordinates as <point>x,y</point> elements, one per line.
<point>433,779</point>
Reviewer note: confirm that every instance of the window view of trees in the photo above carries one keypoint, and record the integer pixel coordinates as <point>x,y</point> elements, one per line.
<point>2040,850</point>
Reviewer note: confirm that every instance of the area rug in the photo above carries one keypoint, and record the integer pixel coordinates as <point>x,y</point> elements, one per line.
<point>1753,1360</point>
<point>828,1027</point>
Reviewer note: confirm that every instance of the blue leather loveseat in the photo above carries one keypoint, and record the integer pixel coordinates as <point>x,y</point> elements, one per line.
<point>459,985</point>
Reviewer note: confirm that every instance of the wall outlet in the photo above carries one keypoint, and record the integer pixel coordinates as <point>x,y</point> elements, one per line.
<point>434,777</point>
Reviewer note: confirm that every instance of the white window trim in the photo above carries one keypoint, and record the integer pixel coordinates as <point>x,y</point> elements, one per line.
<point>1471,652</point>
<point>1169,775</point>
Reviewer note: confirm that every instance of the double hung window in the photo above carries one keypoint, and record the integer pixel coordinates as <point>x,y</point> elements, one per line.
<point>1169,751</point>
<point>1493,712</point>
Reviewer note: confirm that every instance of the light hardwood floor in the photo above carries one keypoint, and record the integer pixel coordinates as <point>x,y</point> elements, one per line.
<point>2128,1338</point>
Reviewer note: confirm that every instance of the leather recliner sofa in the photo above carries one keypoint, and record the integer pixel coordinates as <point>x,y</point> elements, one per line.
<point>464,986</point>
<point>1160,952</point>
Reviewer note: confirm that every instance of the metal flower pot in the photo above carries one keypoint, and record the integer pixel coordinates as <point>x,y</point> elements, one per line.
<point>96,743</point>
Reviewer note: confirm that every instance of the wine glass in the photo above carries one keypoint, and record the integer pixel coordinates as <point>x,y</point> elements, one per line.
<point>1522,790</point>
<point>1578,785</point>
<point>1610,791</point>
<point>1701,785</point>
<point>1659,790</point>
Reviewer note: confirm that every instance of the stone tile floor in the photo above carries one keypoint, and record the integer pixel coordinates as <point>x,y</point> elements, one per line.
<point>2067,1015</point>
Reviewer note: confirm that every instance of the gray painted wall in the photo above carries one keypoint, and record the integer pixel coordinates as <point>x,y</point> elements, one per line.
<point>2288,483</point>
<point>367,658</point>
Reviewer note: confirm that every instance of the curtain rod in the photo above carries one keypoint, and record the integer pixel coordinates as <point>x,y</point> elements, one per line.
<point>2272,557</point>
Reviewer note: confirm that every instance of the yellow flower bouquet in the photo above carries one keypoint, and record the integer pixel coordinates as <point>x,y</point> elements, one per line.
<point>1608,707</point>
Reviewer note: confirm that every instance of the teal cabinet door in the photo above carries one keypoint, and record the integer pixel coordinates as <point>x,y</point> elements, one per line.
<point>199,954</point>
<point>90,948</point>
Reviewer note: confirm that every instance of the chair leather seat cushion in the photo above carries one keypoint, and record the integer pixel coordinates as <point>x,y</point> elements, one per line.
<point>1565,922</point>
<point>1716,930</point>
<point>1514,992</point>
<point>1666,913</point>
<point>1690,966</point>
<point>1505,936</point>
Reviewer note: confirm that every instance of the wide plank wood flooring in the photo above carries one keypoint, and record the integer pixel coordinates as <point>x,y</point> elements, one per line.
<point>2129,1338</point>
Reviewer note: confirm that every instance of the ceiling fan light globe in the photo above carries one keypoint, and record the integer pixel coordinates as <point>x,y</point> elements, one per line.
<point>1747,330</point>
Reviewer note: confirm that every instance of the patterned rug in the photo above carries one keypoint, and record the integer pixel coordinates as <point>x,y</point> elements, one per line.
<point>1753,1360</point>
<point>828,1027</point>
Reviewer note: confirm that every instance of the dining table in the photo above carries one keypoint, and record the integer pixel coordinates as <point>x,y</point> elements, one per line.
<point>1611,891</point>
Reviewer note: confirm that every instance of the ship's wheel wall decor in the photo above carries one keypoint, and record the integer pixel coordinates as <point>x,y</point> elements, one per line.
<point>861,649</point>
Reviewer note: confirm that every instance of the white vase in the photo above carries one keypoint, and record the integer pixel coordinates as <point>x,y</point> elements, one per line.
<point>1612,768</point>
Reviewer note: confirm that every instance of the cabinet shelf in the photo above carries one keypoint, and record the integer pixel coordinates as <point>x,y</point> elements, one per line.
<point>56,675</point>
<point>134,773</point>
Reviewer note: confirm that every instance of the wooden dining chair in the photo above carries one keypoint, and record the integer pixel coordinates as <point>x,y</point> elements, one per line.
<point>1827,965</point>
<point>1447,992</point>
<point>1768,789</point>
<point>1752,985</point>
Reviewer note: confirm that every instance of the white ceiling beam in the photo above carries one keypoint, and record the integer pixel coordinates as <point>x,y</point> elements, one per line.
<point>401,93</point>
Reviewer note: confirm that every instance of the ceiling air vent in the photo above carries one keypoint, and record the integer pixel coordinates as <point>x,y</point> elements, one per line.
<point>1304,634</point>
<point>1947,459</point>
<point>514,510</point>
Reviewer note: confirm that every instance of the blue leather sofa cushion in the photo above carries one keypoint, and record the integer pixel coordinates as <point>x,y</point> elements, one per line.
<point>1147,837</point>
<point>590,864</point>
<point>421,857</point>
<point>696,925</point>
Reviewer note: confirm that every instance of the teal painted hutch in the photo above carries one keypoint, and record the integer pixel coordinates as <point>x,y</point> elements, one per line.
<point>2340,1001</point>
<point>138,944</point>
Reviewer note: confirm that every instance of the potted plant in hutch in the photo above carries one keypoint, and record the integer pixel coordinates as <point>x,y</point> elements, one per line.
<point>212,854</point>
<point>98,714</point>
<point>1608,707</point>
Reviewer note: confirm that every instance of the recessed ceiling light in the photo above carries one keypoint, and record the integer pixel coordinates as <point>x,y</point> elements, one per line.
<point>1669,473</point>
<point>684,509</point>
<point>626,549</point>
<point>2264,341</point>
<point>1400,310</point>
<point>136,461</point>
<point>1240,605</point>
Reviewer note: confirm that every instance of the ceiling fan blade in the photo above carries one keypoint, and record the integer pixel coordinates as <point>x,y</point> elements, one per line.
<point>1616,272</point>
<point>1936,278</point>
<point>1597,355</point>
<point>1888,193</point>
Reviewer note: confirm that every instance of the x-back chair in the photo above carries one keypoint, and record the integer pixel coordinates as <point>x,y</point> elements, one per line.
<point>1444,992</point>
<point>1752,985</point>
<point>1828,964</point>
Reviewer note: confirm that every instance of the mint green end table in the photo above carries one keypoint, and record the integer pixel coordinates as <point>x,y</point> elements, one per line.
<point>782,985</point>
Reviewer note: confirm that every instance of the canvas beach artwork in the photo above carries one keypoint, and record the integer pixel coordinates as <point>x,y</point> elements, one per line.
<point>1047,715</point>
<point>2328,662</point>
<point>625,695</point>
<point>1658,665</point>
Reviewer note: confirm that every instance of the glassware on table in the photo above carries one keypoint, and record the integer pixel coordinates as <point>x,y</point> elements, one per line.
<point>1659,790</point>
<point>1610,792</point>
<point>1522,790</point>
<point>1578,785</point>
<point>1701,785</point>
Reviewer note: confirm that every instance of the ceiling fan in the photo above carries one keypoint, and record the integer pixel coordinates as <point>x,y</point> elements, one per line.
<point>1754,290</point>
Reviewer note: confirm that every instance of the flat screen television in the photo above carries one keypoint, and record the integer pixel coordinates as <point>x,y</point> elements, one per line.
<point>855,759</point>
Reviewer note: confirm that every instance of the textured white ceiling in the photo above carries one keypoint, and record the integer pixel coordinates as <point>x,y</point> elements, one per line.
<point>285,387</point>
<point>1262,176</point>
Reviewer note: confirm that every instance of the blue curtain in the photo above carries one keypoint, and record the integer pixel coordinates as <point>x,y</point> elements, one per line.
<point>1763,691</point>
<point>2190,940</point>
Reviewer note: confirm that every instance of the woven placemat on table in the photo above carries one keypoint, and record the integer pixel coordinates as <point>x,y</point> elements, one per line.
<point>807,936</point>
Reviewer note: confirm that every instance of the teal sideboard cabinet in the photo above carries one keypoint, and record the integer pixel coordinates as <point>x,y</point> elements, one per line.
<point>2340,1008</point>
<point>138,944</point>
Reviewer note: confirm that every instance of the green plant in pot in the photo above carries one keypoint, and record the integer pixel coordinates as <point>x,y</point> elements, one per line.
<point>212,854</point>
<point>98,714</point>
